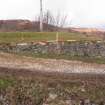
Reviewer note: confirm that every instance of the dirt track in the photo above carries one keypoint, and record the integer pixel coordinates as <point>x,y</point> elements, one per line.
<point>49,69</point>
<point>49,65</point>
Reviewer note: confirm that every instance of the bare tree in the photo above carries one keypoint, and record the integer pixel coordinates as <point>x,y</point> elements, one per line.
<point>56,21</point>
<point>53,22</point>
<point>48,19</point>
<point>59,21</point>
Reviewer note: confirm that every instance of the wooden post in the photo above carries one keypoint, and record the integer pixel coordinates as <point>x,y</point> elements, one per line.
<point>57,40</point>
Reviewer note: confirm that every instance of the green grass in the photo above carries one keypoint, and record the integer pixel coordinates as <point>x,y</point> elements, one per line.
<point>7,37</point>
<point>63,56</point>
<point>6,82</point>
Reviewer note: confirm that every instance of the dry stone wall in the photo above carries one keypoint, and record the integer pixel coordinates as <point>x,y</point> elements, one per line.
<point>90,49</point>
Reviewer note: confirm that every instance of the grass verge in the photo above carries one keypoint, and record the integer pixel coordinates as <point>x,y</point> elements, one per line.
<point>98,60</point>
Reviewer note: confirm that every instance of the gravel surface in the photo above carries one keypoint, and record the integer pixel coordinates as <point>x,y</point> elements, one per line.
<point>49,65</point>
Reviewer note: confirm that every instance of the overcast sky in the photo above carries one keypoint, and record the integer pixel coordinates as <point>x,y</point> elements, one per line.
<point>84,13</point>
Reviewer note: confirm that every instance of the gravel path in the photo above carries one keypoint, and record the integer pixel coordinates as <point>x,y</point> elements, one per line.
<point>49,65</point>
